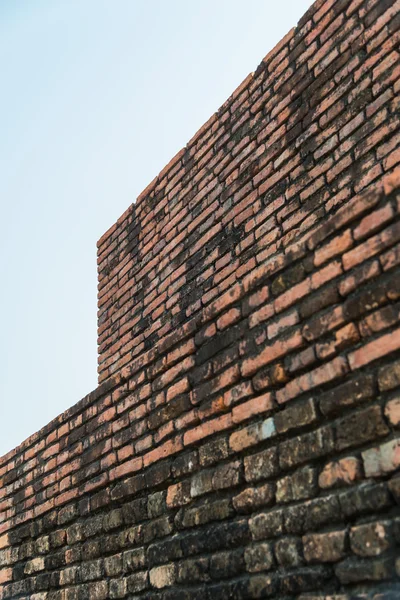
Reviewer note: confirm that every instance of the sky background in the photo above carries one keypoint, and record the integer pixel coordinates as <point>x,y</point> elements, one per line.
<point>96,97</point>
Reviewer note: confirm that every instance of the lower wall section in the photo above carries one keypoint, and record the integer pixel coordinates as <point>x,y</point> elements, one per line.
<point>217,534</point>
<point>267,466</point>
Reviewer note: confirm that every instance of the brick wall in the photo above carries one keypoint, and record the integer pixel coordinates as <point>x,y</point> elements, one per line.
<point>244,438</point>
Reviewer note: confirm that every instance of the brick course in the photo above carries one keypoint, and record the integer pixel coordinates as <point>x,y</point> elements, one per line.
<point>243,441</point>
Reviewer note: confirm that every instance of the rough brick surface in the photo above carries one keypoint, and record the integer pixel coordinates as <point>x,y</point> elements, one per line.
<point>244,438</point>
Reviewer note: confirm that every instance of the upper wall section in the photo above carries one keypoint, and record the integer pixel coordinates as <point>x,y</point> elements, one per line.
<point>311,127</point>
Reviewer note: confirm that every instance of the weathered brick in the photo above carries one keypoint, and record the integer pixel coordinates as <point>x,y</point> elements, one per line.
<point>259,557</point>
<point>382,459</point>
<point>358,276</point>
<point>394,486</point>
<point>326,373</point>
<point>163,576</point>
<point>193,570</point>
<point>392,412</point>
<point>360,427</point>
<point>353,571</point>
<point>389,376</point>
<point>266,525</point>
<point>227,475</point>
<point>341,472</point>
<point>371,539</point>
<point>283,323</point>
<point>178,494</point>
<point>273,352</point>
<point>372,246</point>
<point>262,465</point>
<point>325,547</point>
<point>366,498</point>
<point>373,222</point>
<point>214,451</point>
<point>374,350</point>
<point>226,564</point>
<point>306,447</point>
<point>302,484</point>
<point>259,405</point>
<point>252,435</point>
<point>335,247</point>
<point>297,416</point>
<point>351,393</point>
<point>252,498</point>
<point>320,324</point>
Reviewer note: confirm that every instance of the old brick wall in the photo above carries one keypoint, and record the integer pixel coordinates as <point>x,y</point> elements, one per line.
<point>244,438</point>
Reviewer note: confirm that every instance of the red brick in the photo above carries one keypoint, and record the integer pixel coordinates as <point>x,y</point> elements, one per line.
<point>6,575</point>
<point>263,314</point>
<point>354,208</point>
<point>178,494</point>
<point>255,406</point>
<point>252,435</point>
<point>108,461</point>
<point>68,496</point>
<point>144,444</point>
<point>283,323</point>
<point>207,428</point>
<point>240,391</point>
<point>379,320</point>
<point>231,316</point>
<point>180,368</point>
<point>358,276</point>
<point>391,181</point>
<point>374,350</point>
<point>324,374</point>
<point>166,449</point>
<point>126,468</point>
<point>125,452</point>
<point>272,352</point>
<point>177,388</point>
<point>187,419</point>
<point>230,297</point>
<point>346,336</point>
<point>293,295</point>
<point>326,274</point>
<point>335,247</point>
<point>373,222</point>
<point>163,431</point>
<point>258,298</point>
<point>183,350</point>
<point>392,159</point>
<point>371,247</point>
<point>263,272</point>
<point>344,471</point>
<point>386,63</point>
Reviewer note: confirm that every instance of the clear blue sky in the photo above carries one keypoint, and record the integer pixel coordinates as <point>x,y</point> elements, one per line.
<point>96,97</point>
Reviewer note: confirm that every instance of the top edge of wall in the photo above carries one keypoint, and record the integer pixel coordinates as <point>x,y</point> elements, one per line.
<point>101,390</point>
<point>323,6</point>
